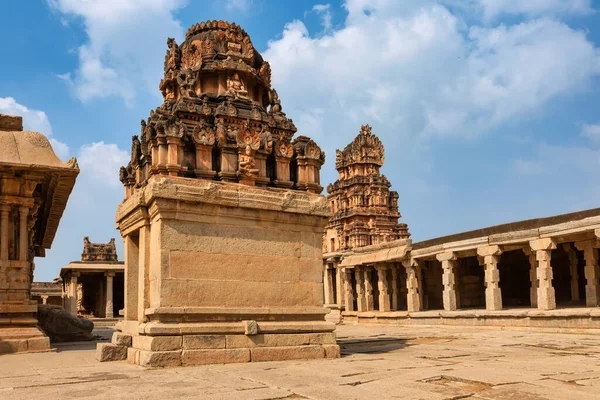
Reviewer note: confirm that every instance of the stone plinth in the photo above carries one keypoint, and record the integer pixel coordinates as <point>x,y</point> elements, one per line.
<point>222,272</point>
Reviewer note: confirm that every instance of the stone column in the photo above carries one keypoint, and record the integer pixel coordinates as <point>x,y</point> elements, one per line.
<point>546,299</point>
<point>384,288</point>
<point>329,292</point>
<point>361,300</point>
<point>489,257</point>
<point>532,275</point>
<point>394,288</point>
<point>109,295</point>
<point>448,261</point>
<point>23,233</point>
<point>348,292</point>
<point>592,289</point>
<point>419,271</point>
<point>44,299</point>
<point>339,287</point>
<point>4,211</point>
<point>413,300</point>
<point>369,300</point>
<point>573,271</point>
<point>73,294</point>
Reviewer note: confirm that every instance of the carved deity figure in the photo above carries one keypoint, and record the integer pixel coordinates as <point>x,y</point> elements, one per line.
<point>187,82</point>
<point>235,86</point>
<point>275,102</point>
<point>266,139</point>
<point>247,164</point>
<point>80,308</point>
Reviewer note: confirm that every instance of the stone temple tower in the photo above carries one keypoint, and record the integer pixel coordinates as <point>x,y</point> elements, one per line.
<point>365,210</point>
<point>222,217</point>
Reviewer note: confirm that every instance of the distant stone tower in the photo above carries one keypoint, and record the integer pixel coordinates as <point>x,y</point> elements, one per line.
<point>365,211</point>
<point>99,252</point>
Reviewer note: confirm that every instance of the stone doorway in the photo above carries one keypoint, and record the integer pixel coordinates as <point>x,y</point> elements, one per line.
<point>568,276</point>
<point>515,282</point>
<point>432,285</point>
<point>471,283</point>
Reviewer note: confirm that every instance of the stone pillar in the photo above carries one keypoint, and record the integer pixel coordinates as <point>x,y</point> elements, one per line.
<point>109,313</point>
<point>394,288</point>
<point>532,276</point>
<point>419,271</point>
<point>546,299</point>
<point>489,257</point>
<point>329,292</point>
<point>413,300</point>
<point>384,288</point>
<point>23,233</point>
<point>592,289</point>
<point>4,211</point>
<point>44,299</point>
<point>73,293</point>
<point>573,271</point>
<point>339,287</point>
<point>348,292</point>
<point>369,301</point>
<point>448,261</point>
<point>361,300</point>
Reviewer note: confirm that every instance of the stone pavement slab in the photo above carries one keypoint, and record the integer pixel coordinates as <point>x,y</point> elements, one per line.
<point>382,362</point>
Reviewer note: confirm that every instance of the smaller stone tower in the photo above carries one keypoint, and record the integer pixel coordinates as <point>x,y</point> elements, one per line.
<point>365,211</point>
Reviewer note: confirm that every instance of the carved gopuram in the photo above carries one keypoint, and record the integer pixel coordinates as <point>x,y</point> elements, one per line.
<point>34,188</point>
<point>222,218</point>
<point>364,213</point>
<point>537,273</point>
<point>94,286</point>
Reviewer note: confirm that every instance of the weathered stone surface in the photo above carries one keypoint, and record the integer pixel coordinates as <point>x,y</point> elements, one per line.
<point>62,326</point>
<point>203,342</point>
<point>331,350</point>
<point>159,358</point>
<point>110,352</point>
<point>286,353</point>
<point>121,339</point>
<point>11,123</point>
<point>157,343</point>
<point>275,340</point>
<point>224,356</point>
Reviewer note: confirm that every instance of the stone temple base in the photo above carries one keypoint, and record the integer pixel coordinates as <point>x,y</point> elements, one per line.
<point>20,334</point>
<point>524,318</point>
<point>169,345</point>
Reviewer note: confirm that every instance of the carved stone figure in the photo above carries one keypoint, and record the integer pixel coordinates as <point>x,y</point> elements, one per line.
<point>275,102</point>
<point>235,86</point>
<point>187,81</point>
<point>173,57</point>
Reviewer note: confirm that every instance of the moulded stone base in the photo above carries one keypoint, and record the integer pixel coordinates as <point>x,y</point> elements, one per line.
<point>561,319</point>
<point>169,351</point>
<point>17,339</point>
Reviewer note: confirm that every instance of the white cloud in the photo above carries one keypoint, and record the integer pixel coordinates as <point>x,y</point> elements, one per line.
<point>324,11</point>
<point>414,71</point>
<point>125,45</point>
<point>34,120</point>
<point>101,162</point>
<point>239,5</point>
<point>535,8</point>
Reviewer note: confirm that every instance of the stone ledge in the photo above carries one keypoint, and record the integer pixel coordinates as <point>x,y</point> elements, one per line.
<point>304,311</point>
<point>225,194</point>
<point>209,328</point>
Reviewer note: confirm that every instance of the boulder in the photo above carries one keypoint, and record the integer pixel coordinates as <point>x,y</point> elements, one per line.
<point>61,326</point>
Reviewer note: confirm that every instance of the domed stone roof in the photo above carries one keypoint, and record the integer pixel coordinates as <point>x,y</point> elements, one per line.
<point>27,147</point>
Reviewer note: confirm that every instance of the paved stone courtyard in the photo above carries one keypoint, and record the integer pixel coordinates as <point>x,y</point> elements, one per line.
<point>378,362</point>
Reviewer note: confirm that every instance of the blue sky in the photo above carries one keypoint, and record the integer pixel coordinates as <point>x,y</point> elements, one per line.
<point>488,108</point>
